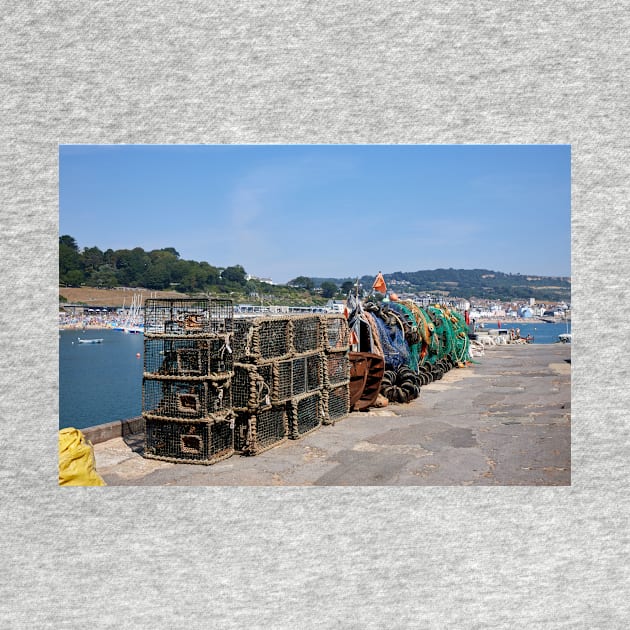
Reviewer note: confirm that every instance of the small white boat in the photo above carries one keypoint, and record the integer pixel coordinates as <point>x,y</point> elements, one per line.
<point>564,337</point>
<point>138,330</point>
<point>89,340</point>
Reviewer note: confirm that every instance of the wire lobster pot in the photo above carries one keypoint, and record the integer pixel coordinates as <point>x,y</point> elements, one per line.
<point>337,369</point>
<point>297,376</point>
<point>336,403</point>
<point>186,356</point>
<point>305,414</point>
<point>262,339</point>
<point>188,441</point>
<point>252,386</point>
<point>265,379</point>
<point>336,333</point>
<point>188,316</point>
<point>259,431</point>
<point>185,399</point>
<point>306,333</point>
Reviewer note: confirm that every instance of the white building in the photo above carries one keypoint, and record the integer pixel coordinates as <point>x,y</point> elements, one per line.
<point>335,306</point>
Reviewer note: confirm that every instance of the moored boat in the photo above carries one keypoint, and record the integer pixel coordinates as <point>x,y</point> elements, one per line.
<point>89,340</point>
<point>139,330</point>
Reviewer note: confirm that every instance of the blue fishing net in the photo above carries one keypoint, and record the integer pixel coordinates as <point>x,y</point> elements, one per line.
<point>395,348</point>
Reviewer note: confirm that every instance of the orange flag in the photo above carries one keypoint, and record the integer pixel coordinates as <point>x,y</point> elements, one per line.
<point>379,284</point>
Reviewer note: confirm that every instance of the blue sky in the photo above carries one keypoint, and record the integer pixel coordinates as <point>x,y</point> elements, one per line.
<point>283,211</point>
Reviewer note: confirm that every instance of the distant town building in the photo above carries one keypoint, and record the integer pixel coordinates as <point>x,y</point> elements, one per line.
<point>336,306</point>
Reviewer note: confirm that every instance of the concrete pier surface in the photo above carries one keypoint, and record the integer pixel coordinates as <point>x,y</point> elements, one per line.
<point>505,420</point>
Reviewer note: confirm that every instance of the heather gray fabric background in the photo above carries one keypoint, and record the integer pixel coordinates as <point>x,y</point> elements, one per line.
<point>299,72</point>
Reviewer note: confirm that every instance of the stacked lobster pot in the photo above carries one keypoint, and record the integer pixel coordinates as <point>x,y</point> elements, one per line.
<point>186,386</point>
<point>280,384</point>
<point>336,391</point>
<point>260,344</point>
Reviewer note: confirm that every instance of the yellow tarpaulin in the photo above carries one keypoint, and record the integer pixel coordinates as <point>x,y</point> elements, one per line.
<point>76,460</point>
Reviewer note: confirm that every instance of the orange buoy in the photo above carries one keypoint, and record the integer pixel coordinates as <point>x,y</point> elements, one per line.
<point>138,355</point>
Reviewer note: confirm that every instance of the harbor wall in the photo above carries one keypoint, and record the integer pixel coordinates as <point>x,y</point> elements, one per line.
<point>110,430</point>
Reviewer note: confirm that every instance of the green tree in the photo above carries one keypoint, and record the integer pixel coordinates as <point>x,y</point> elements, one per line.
<point>171,250</point>
<point>178,270</point>
<point>104,276</point>
<point>92,259</point>
<point>212,275</point>
<point>69,261</point>
<point>74,278</point>
<point>69,241</point>
<point>252,288</point>
<point>235,274</point>
<point>194,279</point>
<point>109,258</point>
<point>131,265</point>
<point>329,289</point>
<point>301,282</point>
<point>157,276</point>
<point>163,255</point>
<point>347,286</point>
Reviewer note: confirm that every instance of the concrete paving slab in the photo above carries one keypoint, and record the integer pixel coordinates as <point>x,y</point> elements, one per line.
<point>506,420</point>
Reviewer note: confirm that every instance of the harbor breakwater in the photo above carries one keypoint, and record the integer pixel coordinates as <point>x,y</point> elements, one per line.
<point>102,383</point>
<point>503,421</point>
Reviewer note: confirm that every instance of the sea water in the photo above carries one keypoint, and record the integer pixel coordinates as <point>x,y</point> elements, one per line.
<point>542,332</point>
<point>99,382</point>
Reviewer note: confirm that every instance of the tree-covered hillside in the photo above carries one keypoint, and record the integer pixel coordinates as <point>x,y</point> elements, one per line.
<point>164,269</point>
<point>479,283</point>
<point>156,269</point>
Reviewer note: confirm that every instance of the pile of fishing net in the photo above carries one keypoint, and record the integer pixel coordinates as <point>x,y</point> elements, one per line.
<point>419,345</point>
